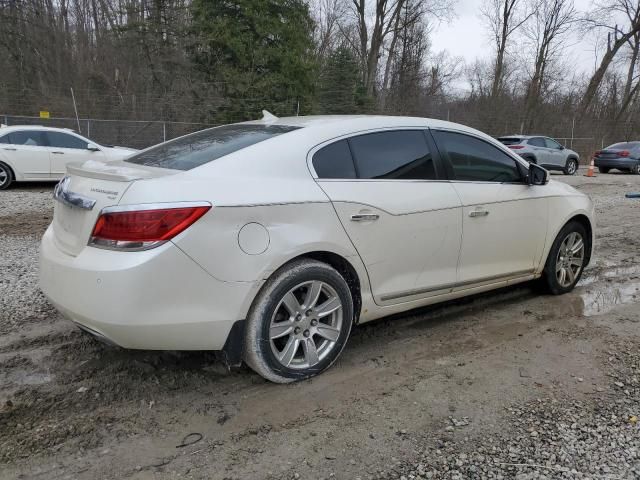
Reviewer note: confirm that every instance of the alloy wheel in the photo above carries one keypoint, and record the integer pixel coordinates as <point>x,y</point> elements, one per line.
<point>4,176</point>
<point>570,259</point>
<point>306,325</point>
<point>572,167</point>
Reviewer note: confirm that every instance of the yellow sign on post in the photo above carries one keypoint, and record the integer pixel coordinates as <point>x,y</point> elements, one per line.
<point>44,114</point>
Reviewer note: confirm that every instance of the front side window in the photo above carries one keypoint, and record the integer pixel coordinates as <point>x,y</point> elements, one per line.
<point>537,142</point>
<point>202,147</point>
<point>4,139</point>
<point>472,159</point>
<point>64,140</point>
<point>334,161</point>
<point>32,138</point>
<point>397,154</point>
<point>552,144</point>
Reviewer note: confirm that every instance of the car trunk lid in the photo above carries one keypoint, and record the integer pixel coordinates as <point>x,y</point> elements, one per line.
<point>85,191</point>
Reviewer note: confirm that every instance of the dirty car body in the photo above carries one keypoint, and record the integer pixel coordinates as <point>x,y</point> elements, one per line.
<point>269,239</point>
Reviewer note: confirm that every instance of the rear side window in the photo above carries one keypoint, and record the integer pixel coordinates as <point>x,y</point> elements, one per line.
<point>334,161</point>
<point>202,147</point>
<point>394,154</point>
<point>510,140</point>
<point>473,159</point>
<point>537,142</point>
<point>64,140</point>
<point>33,138</point>
<point>4,139</point>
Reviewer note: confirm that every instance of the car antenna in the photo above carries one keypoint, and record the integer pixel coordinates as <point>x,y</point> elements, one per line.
<point>268,116</point>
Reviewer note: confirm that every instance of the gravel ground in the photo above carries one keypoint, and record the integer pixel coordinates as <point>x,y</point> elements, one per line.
<point>510,384</point>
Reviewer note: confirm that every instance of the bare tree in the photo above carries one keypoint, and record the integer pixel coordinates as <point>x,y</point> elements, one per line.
<point>503,17</point>
<point>551,21</point>
<point>617,37</point>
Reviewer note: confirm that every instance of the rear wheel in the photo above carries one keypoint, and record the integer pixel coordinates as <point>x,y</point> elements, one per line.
<point>571,167</point>
<point>299,323</point>
<point>566,258</point>
<point>603,169</point>
<point>6,176</point>
<point>635,169</point>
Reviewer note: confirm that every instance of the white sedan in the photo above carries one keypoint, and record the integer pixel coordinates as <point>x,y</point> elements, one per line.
<point>33,153</point>
<point>270,239</point>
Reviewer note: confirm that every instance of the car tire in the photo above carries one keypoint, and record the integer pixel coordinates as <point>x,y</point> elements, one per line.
<point>603,169</point>
<point>6,176</point>
<point>571,167</point>
<point>299,322</point>
<point>530,159</point>
<point>569,254</point>
<point>635,169</point>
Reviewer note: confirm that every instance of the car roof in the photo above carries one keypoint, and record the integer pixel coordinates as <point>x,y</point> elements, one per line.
<point>17,128</point>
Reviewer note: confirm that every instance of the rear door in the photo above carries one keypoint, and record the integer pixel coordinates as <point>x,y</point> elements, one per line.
<point>65,148</point>
<point>504,219</point>
<point>28,151</point>
<point>403,220</point>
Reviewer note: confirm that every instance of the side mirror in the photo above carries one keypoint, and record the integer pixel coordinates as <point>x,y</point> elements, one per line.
<point>561,147</point>
<point>537,175</point>
<point>92,147</point>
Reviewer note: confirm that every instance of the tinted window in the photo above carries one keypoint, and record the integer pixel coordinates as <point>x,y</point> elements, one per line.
<point>64,140</point>
<point>193,150</point>
<point>552,143</point>
<point>616,146</point>
<point>537,142</point>
<point>393,155</point>
<point>32,138</point>
<point>334,161</point>
<point>4,139</point>
<point>510,140</point>
<point>473,159</point>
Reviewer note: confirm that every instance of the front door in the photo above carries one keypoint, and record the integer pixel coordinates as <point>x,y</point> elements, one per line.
<point>504,219</point>
<point>28,150</point>
<point>65,148</point>
<point>404,222</point>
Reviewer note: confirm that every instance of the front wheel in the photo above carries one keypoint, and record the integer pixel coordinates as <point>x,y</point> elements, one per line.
<point>299,322</point>
<point>6,176</point>
<point>635,169</point>
<point>571,167</point>
<point>566,258</point>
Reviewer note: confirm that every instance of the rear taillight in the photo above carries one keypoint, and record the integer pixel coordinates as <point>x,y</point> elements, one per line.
<point>141,227</point>
<point>516,147</point>
<point>624,153</point>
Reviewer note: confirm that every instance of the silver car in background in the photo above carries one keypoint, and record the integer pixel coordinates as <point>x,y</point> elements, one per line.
<point>543,151</point>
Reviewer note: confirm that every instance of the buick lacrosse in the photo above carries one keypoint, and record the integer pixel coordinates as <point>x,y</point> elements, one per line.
<point>268,240</point>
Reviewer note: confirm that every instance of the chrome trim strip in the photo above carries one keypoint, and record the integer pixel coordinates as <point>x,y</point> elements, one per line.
<point>452,286</point>
<point>71,199</point>
<point>153,206</point>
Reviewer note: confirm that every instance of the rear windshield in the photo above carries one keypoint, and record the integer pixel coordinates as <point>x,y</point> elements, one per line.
<point>624,145</point>
<point>509,140</point>
<point>193,150</point>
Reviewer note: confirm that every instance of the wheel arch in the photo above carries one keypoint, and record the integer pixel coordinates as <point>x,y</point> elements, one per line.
<point>585,221</point>
<point>10,167</point>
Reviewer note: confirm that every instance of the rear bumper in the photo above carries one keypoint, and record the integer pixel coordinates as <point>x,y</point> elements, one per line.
<point>159,299</point>
<point>624,163</point>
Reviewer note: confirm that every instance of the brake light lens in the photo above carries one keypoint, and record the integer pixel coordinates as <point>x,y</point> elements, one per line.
<point>143,227</point>
<point>624,153</point>
<point>516,147</point>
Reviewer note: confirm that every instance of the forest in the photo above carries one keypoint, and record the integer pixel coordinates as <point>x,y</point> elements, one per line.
<point>218,61</point>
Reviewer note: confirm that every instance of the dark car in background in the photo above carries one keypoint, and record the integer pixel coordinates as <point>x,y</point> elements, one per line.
<point>624,156</point>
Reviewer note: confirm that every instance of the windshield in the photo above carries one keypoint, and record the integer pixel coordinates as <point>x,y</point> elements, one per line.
<point>193,150</point>
<point>624,146</point>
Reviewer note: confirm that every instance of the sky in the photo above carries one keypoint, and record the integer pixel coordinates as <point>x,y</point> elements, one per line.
<point>466,36</point>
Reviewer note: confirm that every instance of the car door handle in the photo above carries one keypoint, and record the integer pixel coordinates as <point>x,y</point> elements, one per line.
<point>58,153</point>
<point>479,213</point>
<point>10,149</point>
<point>363,217</point>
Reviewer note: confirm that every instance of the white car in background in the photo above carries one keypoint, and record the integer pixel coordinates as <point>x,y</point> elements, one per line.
<point>33,153</point>
<point>270,239</point>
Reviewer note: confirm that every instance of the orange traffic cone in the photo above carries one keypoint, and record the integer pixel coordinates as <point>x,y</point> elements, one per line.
<point>591,167</point>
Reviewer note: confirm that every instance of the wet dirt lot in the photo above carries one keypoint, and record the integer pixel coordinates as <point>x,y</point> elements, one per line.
<point>421,395</point>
